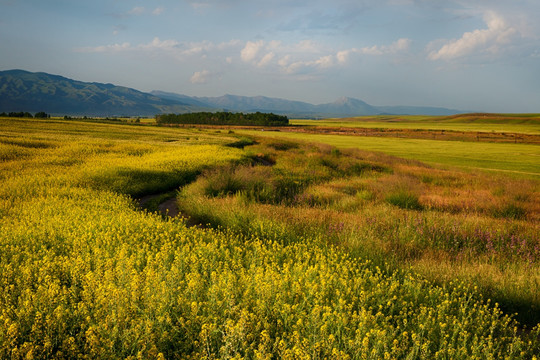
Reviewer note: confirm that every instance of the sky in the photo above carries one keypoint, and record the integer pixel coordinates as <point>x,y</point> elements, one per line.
<point>473,55</point>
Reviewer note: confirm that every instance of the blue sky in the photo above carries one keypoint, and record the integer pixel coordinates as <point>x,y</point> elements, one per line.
<point>481,55</point>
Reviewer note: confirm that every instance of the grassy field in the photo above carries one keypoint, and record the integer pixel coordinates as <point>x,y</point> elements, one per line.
<point>519,159</point>
<point>442,223</point>
<point>301,252</point>
<point>507,123</point>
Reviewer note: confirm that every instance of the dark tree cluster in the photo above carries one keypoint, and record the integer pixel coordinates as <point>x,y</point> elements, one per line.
<point>20,114</point>
<point>224,118</point>
<point>26,114</point>
<point>42,115</point>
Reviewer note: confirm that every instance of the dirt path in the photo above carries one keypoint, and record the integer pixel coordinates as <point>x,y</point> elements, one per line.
<point>169,208</point>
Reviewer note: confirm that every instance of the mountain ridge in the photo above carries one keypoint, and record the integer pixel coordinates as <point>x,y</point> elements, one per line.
<point>55,94</point>
<point>22,90</point>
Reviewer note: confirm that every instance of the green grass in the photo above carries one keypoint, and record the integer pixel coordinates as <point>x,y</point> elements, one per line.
<point>518,123</point>
<point>404,199</point>
<point>519,159</point>
<point>55,129</point>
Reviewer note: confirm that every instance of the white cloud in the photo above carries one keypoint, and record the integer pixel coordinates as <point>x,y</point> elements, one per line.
<point>395,47</point>
<point>253,50</point>
<point>274,44</point>
<point>343,56</point>
<point>229,44</point>
<point>200,6</point>
<point>301,58</point>
<point>297,67</point>
<point>157,45</point>
<point>284,61</point>
<point>249,52</point>
<point>158,11</point>
<point>377,50</point>
<point>287,58</point>
<point>402,44</point>
<point>105,48</point>
<point>308,46</point>
<point>324,61</point>
<point>200,77</point>
<point>195,48</point>
<point>490,40</point>
<point>141,10</point>
<point>307,56</point>
<point>266,59</point>
<point>138,10</point>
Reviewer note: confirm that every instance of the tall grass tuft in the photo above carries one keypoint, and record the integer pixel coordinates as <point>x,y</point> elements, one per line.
<point>404,199</point>
<point>511,211</point>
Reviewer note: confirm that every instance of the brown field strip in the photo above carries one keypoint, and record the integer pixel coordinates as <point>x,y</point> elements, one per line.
<point>447,135</point>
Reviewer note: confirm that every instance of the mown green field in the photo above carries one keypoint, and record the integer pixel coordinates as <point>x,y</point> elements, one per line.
<point>519,159</point>
<point>299,252</point>
<point>507,123</point>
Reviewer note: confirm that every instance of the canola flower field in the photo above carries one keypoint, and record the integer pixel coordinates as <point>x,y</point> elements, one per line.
<point>84,273</point>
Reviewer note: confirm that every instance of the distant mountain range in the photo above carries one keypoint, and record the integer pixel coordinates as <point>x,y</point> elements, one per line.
<point>342,107</point>
<point>26,91</point>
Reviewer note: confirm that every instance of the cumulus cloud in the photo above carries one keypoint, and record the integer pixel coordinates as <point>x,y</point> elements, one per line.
<point>196,48</point>
<point>298,67</point>
<point>490,40</point>
<point>289,58</point>
<point>343,56</point>
<point>266,59</point>
<point>250,51</point>
<point>308,56</point>
<point>300,58</point>
<point>324,61</point>
<point>261,52</point>
<point>375,50</point>
<point>200,77</point>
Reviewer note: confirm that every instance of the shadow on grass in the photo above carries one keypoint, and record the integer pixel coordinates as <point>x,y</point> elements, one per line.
<point>137,182</point>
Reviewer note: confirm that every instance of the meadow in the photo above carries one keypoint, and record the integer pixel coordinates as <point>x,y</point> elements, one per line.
<point>518,159</point>
<point>509,123</point>
<point>293,250</point>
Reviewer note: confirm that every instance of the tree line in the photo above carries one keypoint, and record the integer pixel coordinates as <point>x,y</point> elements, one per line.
<point>224,118</point>
<point>26,114</point>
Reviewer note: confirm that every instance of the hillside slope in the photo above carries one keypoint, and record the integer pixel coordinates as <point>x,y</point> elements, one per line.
<point>25,91</point>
